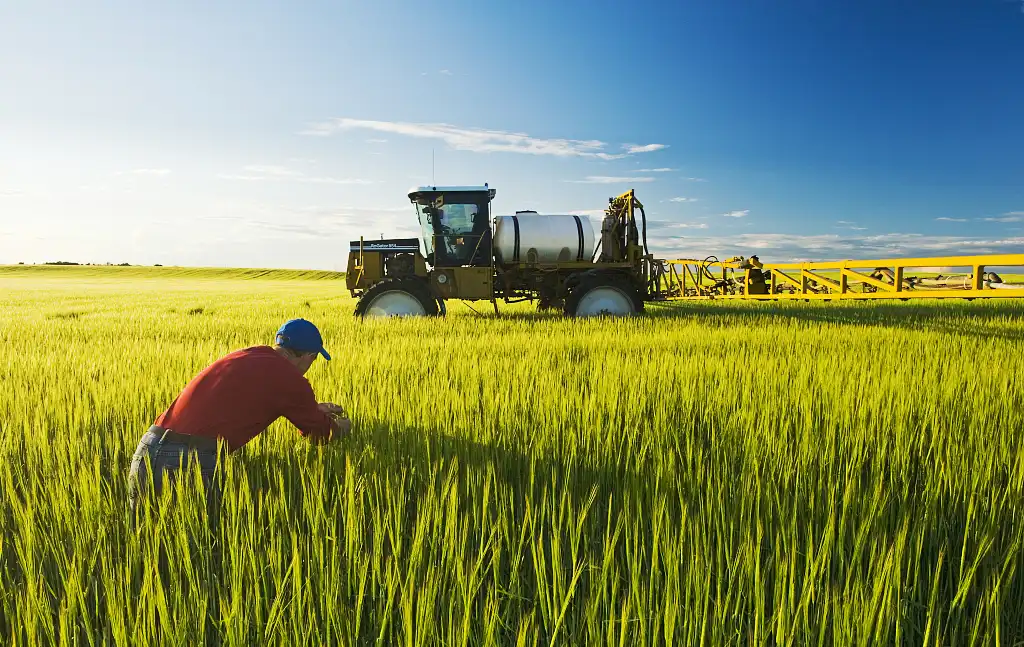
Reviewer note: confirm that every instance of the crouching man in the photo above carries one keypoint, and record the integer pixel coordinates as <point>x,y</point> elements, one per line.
<point>231,402</point>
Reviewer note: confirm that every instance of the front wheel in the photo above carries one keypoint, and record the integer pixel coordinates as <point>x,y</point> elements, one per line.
<point>606,294</point>
<point>398,297</point>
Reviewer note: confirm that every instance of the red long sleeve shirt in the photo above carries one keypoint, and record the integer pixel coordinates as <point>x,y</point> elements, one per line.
<point>241,394</point>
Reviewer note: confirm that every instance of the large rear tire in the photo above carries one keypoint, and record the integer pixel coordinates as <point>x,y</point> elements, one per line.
<point>603,295</point>
<point>398,297</point>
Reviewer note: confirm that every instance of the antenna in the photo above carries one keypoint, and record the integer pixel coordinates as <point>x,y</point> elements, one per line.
<point>433,181</point>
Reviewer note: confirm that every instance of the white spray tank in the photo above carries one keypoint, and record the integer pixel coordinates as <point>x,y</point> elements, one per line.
<point>529,237</point>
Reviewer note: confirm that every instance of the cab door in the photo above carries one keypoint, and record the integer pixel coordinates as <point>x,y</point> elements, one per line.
<point>463,234</point>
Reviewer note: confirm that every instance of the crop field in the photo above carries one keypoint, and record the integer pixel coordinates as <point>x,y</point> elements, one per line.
<point>707,474</point>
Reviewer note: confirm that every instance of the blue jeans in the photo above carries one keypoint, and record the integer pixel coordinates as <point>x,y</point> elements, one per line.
<point>166,458</point>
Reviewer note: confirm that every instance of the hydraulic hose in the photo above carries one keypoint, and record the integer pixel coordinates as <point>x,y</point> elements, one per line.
<point>704,267</point>
<point>643,221</point>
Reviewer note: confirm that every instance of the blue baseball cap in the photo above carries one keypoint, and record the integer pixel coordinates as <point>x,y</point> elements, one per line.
<point>303,336</point>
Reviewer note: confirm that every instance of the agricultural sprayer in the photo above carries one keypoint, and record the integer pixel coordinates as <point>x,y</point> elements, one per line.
<point>560,263</point>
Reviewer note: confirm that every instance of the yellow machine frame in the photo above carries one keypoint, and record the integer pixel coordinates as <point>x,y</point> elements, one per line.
<point>886,279</point>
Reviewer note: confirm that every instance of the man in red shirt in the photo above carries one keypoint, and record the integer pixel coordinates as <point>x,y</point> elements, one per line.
<point>230,402</point>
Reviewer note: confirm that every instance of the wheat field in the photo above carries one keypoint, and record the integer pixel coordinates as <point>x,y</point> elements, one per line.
<point>707,474</point>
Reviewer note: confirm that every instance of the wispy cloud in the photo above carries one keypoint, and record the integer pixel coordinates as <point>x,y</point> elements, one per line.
<point>276,171</point>
<point>682,199</point>
<point>945,219</point>
<point>737,214</point>
<point>590,213</point>
<point>242,176</point>
<point>10,193</point>
<point>695,179</point>
<point>376,141</point>
<point>1009,216</point>
<point>480,140</point>
<point>269,173</point>
<point>846,224</point>
<point>655,170</point>
<point>645,148</point>
<point>334,180</point>
<point>317,221</point>
<point>657,227</point>
<point>302,231</point>
<point>609,179</point>
<point>445,72</point>
<point>145,171</point>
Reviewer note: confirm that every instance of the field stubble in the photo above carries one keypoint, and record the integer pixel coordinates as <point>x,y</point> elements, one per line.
<point>708,474</point>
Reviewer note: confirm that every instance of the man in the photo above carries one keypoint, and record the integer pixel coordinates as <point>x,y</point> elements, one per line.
<point>230,402</point>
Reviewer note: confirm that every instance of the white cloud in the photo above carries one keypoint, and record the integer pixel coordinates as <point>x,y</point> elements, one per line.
<point>270,221</point>
<point>479,140</point>
<point>646,148</point>
<point>608,179</point>
<point>268,173</point>
<point>376,141</point>
<point>655,170</point>
<point>668,226</point>
<point>682,199</point>
<point>945,219</point>
<point>145,171</point>
<point>445,72</point>
<point>241,176</point>
<point>1009,216</point>
<point>276,171</point>
<point>737,214</point>
<point>10,193</point>
<point>334,180</point>
<point>846,224</point>
<point>695,179</point>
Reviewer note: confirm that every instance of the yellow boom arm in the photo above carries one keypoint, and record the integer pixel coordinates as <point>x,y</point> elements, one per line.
<point>932,278</point>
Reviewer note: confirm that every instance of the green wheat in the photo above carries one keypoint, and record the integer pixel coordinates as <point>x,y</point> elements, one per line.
<point>710,473</point>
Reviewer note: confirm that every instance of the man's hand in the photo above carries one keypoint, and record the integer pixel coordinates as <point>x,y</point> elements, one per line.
<point>340,426</point>
<point>331,409</point>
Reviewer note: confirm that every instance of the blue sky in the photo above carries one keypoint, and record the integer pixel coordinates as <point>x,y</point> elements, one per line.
<point>269,134</point>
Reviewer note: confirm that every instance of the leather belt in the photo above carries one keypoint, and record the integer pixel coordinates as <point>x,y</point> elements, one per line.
<point>197,442</point>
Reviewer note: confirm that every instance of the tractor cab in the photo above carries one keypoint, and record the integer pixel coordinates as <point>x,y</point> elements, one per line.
<point>455,223</point>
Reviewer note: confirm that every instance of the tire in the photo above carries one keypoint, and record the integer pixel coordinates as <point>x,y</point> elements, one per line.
<point>602,295</point>
<point>398,297</point>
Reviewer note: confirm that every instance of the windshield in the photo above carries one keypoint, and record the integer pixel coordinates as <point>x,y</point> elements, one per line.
<point>455,221</point>
<point>452,225</point>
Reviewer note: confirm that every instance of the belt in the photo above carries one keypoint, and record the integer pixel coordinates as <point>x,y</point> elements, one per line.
<point>197,442</point>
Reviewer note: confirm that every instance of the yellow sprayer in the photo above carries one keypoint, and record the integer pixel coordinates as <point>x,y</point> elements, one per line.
<point>557,261</point>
